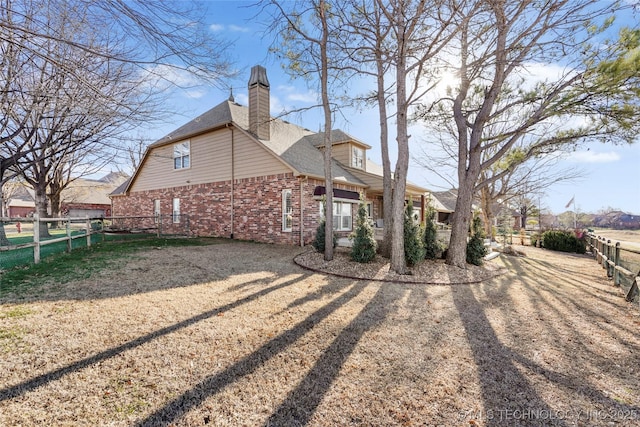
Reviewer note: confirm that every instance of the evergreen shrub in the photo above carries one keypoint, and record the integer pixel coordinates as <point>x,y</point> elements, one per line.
<point>413,246</point>
<point>364,242</point>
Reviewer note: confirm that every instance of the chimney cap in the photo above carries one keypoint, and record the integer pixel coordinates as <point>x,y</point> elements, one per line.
<point>258,76</point>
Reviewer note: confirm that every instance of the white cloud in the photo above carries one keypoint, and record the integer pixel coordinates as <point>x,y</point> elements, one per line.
<point>293,95</point>
<point>163,76</point>
<point>238,29</point>
<point>216,27</point>
<point>593,157</point>
<point>195,93</point>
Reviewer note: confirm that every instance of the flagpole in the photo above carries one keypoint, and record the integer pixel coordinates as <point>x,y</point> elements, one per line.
<point>575,214</point>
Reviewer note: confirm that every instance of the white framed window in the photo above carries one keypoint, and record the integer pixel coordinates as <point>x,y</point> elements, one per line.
<point>176,210</point>
<point>357,157</point>
<point>156,210</point>
<point>182,155</point>
<point>287,211</point>
<point>342,220</point>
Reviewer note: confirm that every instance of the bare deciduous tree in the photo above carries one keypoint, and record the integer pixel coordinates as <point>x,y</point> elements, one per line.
<point>573,100</point>
<point>308,30</point>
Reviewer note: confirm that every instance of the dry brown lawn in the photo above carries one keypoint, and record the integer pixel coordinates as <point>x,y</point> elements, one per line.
<point>236,334</point>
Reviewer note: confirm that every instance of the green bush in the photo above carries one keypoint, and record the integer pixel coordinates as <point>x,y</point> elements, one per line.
<point>432,247</point>
<point>413,247</point>
<point>318,243</point>
<point>364,243</point>
<point>563,241</point>
<point>475,247</point>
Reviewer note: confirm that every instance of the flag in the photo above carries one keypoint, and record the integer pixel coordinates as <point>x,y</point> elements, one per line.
<point>570,201</point>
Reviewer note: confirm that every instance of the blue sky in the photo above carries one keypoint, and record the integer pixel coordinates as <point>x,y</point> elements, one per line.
<point>611,173</point>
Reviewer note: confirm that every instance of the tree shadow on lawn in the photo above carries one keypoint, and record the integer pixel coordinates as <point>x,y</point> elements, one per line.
<point>510,398</point>
<point>302,402</point>
<point>41,380</point>
<point>149,270</point>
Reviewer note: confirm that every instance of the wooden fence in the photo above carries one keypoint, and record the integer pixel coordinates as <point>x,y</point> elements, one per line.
<point>622,262</point>
<point>90,226</point>
<point>38,243</point>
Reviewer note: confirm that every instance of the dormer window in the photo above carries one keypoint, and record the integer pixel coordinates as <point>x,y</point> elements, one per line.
<point>181,155</point>
<point>357,157</point>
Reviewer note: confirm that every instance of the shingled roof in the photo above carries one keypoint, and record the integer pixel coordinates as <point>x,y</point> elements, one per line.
<point>288,141</point>
<point>338,136</point>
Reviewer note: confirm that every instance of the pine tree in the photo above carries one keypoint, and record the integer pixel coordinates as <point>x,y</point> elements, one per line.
<point>432,247</point>
<point>319,242</point>
<point>364,243</point>
<point>413,247</point>
<point>475,247</point>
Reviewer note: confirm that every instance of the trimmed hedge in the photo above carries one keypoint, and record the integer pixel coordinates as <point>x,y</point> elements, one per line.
<point>563,241</point>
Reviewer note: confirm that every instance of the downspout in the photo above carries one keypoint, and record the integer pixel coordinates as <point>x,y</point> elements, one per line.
<point>233,175</point>
<point>302,181</point>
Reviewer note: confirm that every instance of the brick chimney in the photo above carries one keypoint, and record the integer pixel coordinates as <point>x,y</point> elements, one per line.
<point>259,116</point>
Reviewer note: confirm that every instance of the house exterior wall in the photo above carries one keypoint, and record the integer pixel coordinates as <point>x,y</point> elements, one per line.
<point>20,211</point>
<point>342,153</point>
<point>257,208</point>
<point>210,161</point>
<point>66,207</point>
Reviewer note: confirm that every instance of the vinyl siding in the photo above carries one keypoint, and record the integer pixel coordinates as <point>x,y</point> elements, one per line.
<point>342,153</point>
<point>210,159</point>
<point>252,159</point>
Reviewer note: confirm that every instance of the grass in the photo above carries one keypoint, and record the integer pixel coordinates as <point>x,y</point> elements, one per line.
<point>237,334</point>
<point>83,262</point>
<point>15,312</point>
<point>10,338</point>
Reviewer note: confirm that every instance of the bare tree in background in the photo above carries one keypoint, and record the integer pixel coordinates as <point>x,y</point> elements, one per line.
<point>128,44</point>
<point>159,37</point>
<point>308,32</point>
<point>418,31</point>
<point>577,101</point>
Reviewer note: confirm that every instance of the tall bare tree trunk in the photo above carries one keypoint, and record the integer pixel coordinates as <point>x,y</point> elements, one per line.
<point>487,212</point>
<point>326,107</point>
<point>41,208</point>
<point>387,181</point>
<point>398,262</point>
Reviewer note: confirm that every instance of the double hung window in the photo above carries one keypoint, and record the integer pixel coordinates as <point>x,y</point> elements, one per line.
<point>181,155</point>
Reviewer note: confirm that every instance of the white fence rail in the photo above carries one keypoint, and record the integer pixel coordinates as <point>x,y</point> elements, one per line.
<point>38,242</point>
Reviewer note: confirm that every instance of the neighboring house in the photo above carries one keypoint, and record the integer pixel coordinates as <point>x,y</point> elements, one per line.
<point>90,197</point>
<point>444,202</point>
<point>19,208</point>
<point>236,172</point>
<point>82,198</point>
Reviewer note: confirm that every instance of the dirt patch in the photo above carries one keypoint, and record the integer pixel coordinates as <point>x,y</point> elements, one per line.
<point>237,334</point>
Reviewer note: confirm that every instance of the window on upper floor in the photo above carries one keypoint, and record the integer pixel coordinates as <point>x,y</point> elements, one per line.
<point>181,155</point>
<point>357,157</point>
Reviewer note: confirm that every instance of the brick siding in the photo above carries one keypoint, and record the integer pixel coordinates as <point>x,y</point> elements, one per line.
<point>257,202</point>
